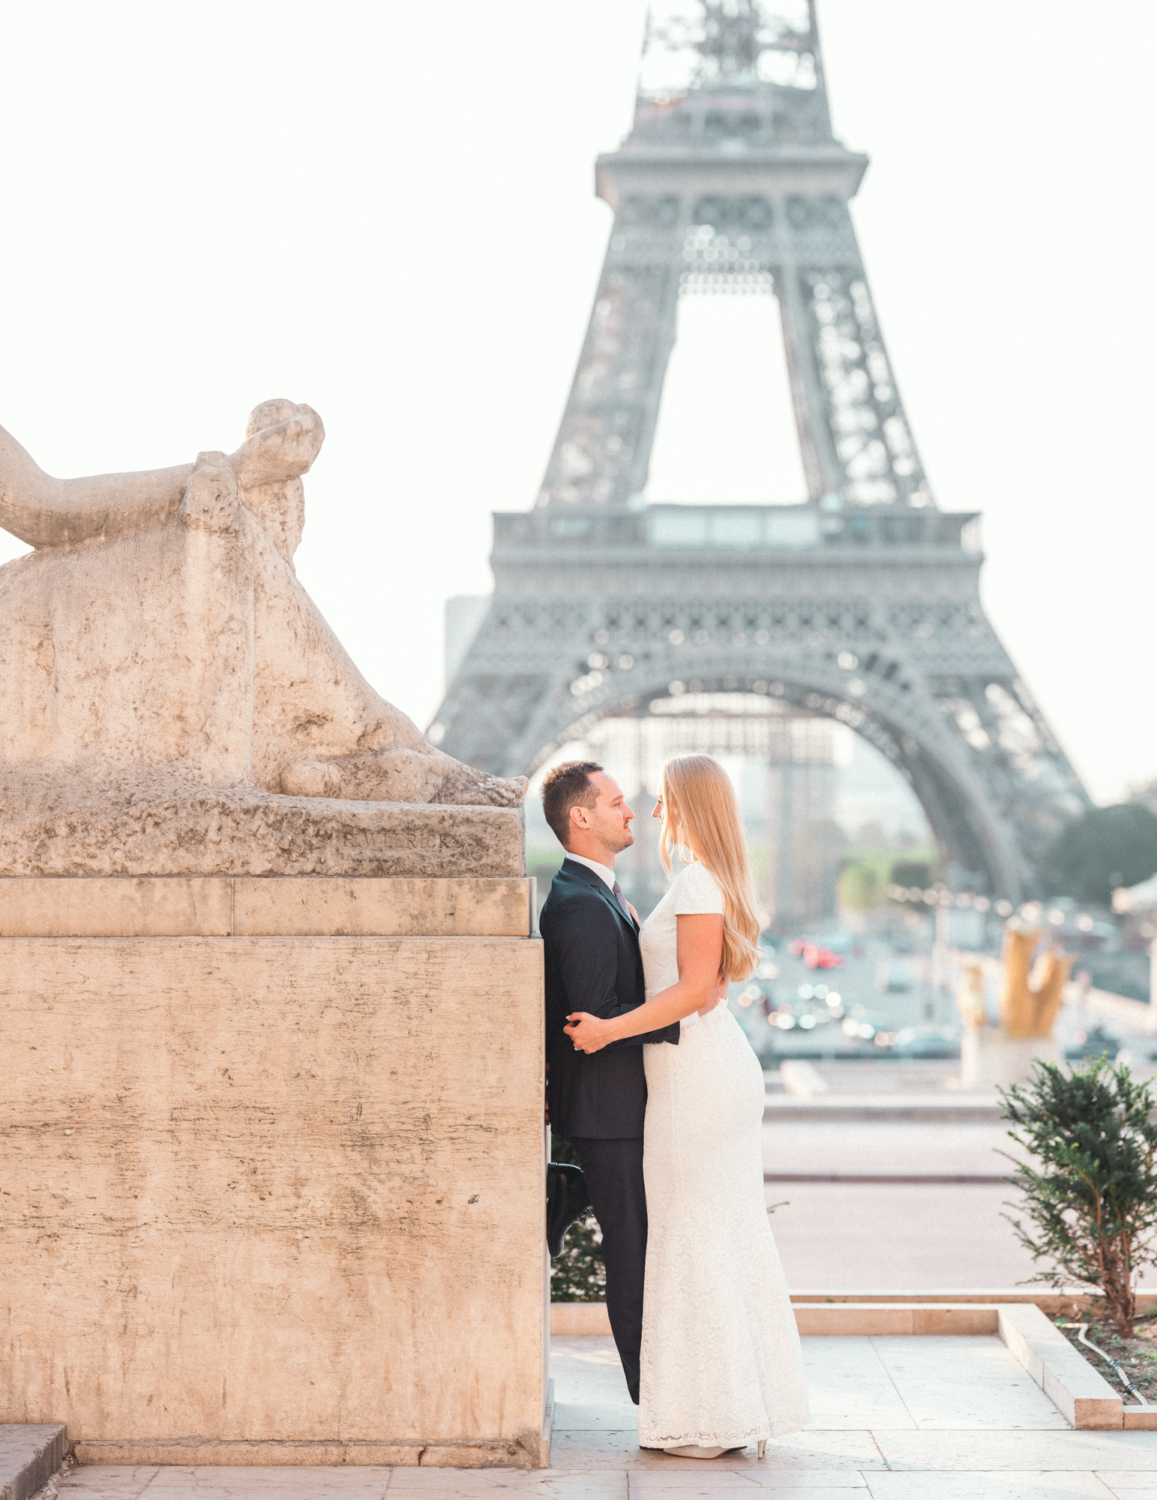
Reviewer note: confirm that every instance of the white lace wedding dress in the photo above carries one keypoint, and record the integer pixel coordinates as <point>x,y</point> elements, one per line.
<point>721,1361</point>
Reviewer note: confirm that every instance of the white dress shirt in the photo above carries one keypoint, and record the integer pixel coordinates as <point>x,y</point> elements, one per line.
<point>604,871</point>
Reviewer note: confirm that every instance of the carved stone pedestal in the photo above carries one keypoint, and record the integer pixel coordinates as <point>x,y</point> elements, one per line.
<point>990,1058</point>
<point>271,1169</point>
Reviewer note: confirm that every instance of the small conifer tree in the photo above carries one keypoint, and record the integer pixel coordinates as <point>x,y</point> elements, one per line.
<point>1090,1189</point>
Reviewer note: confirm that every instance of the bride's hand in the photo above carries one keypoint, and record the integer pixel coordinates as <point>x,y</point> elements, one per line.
<point>587,1032</point>
<point>722,985</point>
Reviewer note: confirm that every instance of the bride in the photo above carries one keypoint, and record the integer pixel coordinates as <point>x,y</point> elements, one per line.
<point>721,1363</point>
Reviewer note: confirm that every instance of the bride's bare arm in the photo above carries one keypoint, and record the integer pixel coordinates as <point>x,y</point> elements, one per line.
<point>48,512</point>
<point>699,950</point>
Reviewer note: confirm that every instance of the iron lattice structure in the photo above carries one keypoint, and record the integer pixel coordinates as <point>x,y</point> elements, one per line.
<point>862,603</point>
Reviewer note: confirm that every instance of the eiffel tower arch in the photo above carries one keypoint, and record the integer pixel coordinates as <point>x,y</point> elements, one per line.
<point>862,603</point>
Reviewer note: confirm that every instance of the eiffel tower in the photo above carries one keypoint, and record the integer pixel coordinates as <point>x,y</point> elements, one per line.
<point>861,603</point>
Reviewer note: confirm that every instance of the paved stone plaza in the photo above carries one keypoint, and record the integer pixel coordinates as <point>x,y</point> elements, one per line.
<point>912,1202</point>
<point>840,1236</point>
<point>895,1419</point>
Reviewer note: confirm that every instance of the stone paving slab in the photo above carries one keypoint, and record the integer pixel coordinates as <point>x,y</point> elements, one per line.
<point>954,1383</point>
<point>848,1484</point>
<point>1028,1451</point>
<point>953,1235</point>
<point>722,1490</point>
<point>1031,1485</point>
<point>313,1482</point>
<point>550,1485</point>
<point>497,1482</point>
<point>107,1481</point>
<point>807,1450</point>
<point>593,1418</point>
<point>850,1385</point>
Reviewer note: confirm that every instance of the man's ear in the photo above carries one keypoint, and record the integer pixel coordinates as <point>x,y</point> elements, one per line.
<point>581,820</point>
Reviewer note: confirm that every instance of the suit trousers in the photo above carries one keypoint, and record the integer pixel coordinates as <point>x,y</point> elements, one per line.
<point>614,1176</point>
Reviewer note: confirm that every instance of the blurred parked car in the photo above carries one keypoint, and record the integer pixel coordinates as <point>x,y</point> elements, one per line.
<point>920,1041</point>
<point>1096,1042</point>
<point>893,976</point>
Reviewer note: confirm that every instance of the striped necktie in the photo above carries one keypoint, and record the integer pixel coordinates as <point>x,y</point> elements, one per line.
<point>617,891</point>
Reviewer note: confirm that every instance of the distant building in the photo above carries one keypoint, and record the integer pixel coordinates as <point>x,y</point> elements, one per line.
<point>464,614</point>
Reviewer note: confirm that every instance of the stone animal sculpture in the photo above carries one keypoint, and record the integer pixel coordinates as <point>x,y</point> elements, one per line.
<point>1025,1011</point>
<point>171,697</point>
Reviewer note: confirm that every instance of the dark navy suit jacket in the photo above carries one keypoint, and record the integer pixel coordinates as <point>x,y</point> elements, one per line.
<point>593,964</point>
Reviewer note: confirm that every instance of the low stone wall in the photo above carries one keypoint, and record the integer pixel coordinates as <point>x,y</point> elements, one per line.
<point>272,1194</point>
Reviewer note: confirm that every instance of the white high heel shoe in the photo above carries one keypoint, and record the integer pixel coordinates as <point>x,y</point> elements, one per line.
<point>691,1450</point>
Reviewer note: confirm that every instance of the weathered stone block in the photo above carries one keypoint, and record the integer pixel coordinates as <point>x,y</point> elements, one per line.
<point>403,908</point>
<point>61,827</point>
<point>274,1196</point>
<point>145,907</point>
<point>172,906</point>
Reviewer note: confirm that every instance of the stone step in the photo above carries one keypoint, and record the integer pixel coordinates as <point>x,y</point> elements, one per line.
<point>926,1108</point>
<point>30,1455</point>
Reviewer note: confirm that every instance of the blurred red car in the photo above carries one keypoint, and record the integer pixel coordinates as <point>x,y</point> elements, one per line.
<point>817,957</point>
<point>814,956</point>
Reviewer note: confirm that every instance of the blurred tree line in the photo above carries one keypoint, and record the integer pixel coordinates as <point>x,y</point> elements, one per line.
<point>1104,848</point>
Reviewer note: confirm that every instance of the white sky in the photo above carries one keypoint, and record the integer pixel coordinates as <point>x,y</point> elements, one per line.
<point>386,210</point>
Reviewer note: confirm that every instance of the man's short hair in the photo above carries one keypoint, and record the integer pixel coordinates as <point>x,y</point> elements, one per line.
<point>567,786</point>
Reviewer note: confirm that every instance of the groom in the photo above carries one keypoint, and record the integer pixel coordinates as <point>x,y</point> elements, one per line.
<point>597,1100</point>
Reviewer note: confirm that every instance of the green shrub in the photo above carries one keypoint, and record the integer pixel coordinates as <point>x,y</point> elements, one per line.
<point>1091,1188</point>
<point>578,1275</point>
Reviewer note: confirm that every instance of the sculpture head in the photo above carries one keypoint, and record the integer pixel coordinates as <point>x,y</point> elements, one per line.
<point>280,508</point>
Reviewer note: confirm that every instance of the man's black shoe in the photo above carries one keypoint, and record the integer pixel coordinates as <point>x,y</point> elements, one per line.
<point>567,1200</point>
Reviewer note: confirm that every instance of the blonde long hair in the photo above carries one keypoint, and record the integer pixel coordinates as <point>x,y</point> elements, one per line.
<point>701,817</point>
